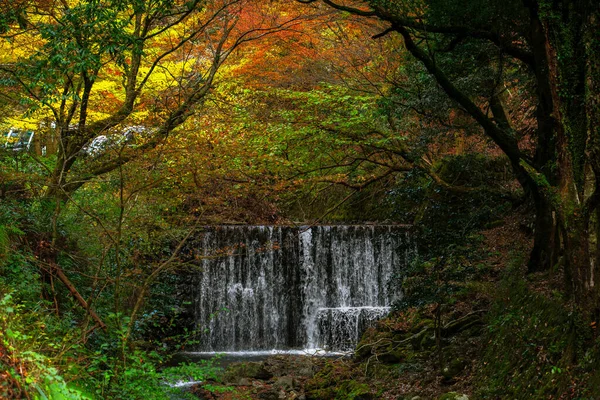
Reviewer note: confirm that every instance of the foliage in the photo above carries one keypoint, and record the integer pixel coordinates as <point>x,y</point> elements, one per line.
<point>126,73</point>
<point>47,348</point>
<point>540,45</point>
<point>446,226</point>
<point>311,122</point>
<point>141,379</point>
<point>23,340</point>
<point>553,351</point>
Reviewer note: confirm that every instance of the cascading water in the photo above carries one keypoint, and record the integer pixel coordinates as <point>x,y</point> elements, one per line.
<point>273,287</point>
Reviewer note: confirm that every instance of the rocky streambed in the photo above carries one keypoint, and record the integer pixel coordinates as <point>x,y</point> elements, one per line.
<point>397,360</point>
<point>277,377</point>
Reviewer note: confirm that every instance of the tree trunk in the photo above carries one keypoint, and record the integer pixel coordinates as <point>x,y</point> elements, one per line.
<point>579,270</point>
<point>596,269</point>
<point>546,243</point>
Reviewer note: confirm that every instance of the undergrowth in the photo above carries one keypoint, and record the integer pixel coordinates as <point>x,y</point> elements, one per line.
<point>538,346</point>
<point>38,365</point>
<point>46,353</point>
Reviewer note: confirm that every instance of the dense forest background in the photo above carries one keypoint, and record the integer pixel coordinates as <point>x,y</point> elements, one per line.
<point>474,122</point>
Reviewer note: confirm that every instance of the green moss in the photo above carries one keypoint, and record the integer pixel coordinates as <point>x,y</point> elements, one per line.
<point>320,394</point>
<point>254,370</point>
<point>353,390</point>
<point>383,371</point>
<point>334,381</point>
<point>421,324</point>
<point>453,368</point>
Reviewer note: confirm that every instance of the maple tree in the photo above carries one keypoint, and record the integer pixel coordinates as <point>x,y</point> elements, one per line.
<point>112,80</point>
<point>265,127</point>
<point>94,68</point>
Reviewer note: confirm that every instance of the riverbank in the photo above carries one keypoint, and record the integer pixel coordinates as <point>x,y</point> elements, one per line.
<point>499,338</point>
<point>397,359</point>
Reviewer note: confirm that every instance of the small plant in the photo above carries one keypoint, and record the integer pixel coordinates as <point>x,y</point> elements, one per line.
<point>21,343</point>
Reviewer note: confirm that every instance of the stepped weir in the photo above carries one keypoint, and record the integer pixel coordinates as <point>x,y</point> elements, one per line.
<point>290,288</point>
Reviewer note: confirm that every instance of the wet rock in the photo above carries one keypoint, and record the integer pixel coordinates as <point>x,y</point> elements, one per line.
<point>202,393</point>
<point>269,394</point>
<point>286,383</point>
<point>284,366</point>
<point>249,370</point>
<point>244,382</point>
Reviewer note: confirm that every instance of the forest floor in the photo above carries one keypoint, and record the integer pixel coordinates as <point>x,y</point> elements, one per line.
<point>397,359</point>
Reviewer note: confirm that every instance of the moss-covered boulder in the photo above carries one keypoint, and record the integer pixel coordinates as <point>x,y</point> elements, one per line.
<point>285,383</point>
<point>373,342</point>
<point>320,394</point>
<point>353,390</point>
<point>392,355</point>
<point>427,341</point>
<point>239,371</point>
<point>335,381</point>
<point>453,368</point>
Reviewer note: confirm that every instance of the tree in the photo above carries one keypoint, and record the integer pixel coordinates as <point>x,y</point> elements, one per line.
<point>555,44</point>
<point>95,70</point>
<point>271,122</point>
<point>96,67</point>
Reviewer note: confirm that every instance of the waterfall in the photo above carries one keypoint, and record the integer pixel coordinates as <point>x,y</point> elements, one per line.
<point>275,287</point>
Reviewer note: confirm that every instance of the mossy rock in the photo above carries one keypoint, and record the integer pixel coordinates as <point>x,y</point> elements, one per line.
<point>452,369</point>
<point>286,383</point>
<point>328,377</point>
<point>392,356</point>
<point>268,394</point>
<point>422,324</point>
<point>427,342</point>
<point>363,351</point>
<point>253,370</point>
<point>353,390</point>
<point>367,347</point>
<point>321,394</point>
<point>462,324</point>
<point>473,331</point>
<point>381,371</point>
<point>345,390</point>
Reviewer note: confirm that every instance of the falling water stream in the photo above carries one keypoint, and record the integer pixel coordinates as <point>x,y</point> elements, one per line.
<point>269,289</point>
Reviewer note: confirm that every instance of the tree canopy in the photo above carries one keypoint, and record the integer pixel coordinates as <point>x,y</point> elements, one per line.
<point>150,119</point>
<point>541,54</point>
